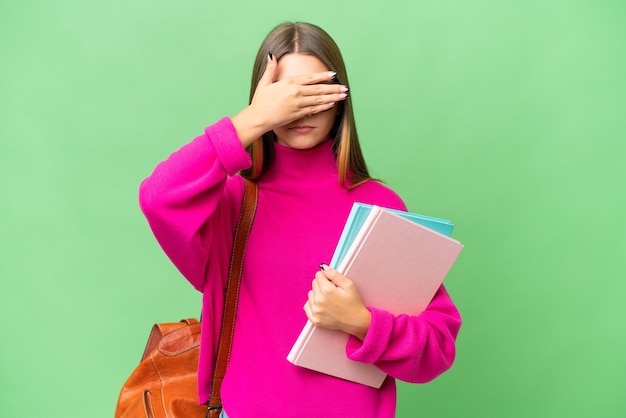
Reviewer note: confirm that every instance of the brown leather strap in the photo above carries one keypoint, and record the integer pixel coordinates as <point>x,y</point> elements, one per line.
<point>248,208</point>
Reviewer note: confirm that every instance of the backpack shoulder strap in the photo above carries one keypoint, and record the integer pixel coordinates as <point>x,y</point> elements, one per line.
<point>248,209</point>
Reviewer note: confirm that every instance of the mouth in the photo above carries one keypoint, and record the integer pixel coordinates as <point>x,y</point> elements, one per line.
<point>301,129</point>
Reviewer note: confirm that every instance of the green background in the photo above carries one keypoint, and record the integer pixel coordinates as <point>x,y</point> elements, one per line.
<point>507,117</point>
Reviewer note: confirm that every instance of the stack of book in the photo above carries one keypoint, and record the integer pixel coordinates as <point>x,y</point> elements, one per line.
<point>397,260</point>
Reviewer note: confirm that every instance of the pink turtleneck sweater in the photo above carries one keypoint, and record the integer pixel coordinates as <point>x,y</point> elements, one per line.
<point>192,203</point>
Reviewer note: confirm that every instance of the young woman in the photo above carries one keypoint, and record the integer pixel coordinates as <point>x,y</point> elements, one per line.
<point>298,140</point>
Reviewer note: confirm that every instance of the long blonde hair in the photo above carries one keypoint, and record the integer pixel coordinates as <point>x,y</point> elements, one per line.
<point>306,38</point>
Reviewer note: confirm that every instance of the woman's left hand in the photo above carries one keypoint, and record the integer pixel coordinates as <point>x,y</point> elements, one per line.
<point>334,302</point>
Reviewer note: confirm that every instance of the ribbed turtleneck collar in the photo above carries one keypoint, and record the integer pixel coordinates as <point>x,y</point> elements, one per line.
<point>295,167</point>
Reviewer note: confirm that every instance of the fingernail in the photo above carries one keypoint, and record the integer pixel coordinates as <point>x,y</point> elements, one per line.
<point>343,95</point>
<point>270,56</point>
<point>332,74</point>
<point>344,89</point>
<point>323,266</point>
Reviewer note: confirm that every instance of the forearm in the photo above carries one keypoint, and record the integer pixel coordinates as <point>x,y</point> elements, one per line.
<point>411,348</point>
<point>184,193</point>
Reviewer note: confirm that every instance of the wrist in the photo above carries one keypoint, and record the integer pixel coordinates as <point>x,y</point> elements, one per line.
<point>248,125</point>
<point>361,324</point>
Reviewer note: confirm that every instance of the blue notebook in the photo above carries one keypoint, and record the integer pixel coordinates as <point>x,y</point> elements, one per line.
<point>357,217</point>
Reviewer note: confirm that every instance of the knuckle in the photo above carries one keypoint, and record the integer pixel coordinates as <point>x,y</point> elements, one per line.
<point>318,312</point>
<point>292,90</point>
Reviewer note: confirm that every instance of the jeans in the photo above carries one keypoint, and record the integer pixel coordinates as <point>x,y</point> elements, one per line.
<point>223,414</point>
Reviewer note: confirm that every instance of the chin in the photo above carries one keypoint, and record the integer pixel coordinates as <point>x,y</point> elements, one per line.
<point>301,143</point>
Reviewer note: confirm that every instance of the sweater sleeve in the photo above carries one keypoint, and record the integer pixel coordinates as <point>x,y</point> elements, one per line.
<point>187,202</point>
<point>414,349</point>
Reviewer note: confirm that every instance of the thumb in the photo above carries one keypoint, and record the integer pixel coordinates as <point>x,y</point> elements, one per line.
<point>334,276</point>
<point>270,69</point>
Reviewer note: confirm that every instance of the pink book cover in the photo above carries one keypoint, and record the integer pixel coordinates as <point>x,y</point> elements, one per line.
<point>397,265</point>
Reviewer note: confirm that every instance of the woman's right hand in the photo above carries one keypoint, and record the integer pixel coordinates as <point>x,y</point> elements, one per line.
<point>277,103</point>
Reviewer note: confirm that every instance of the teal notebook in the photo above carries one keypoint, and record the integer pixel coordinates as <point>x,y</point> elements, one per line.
<point>357,217</point>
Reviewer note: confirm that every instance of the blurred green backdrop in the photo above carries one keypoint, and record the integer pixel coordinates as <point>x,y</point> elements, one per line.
<point>507,117</point>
